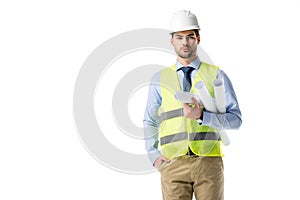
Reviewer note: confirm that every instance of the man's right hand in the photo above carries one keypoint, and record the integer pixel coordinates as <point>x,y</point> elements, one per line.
<point>160,160</point>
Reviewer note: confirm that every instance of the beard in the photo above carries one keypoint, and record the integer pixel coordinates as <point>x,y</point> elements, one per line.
<point>186,55</point>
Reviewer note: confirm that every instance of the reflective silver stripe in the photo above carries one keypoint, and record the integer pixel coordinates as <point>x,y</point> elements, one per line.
<point>171,114</point>
<point>173,138</point>
<point>193,137</point>
<point>204,136</point>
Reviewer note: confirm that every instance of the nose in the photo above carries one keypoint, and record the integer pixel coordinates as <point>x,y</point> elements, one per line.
<point>184,41</point>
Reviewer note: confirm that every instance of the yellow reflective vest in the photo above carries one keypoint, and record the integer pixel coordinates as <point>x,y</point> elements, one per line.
<point>176,132</point>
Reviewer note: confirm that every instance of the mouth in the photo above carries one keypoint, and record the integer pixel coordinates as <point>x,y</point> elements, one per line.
<point>185,49</point>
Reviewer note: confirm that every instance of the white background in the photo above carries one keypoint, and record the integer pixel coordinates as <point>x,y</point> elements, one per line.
<point>43,45</point>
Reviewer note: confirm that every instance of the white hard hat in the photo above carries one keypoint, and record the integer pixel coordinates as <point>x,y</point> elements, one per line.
<point>184,20</point>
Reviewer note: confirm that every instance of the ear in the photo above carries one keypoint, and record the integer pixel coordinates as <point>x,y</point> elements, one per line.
<point>198,39</point>
<point>172,40</point>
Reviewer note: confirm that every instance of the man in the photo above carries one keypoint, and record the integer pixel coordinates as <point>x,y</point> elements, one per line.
<point>190,156</point>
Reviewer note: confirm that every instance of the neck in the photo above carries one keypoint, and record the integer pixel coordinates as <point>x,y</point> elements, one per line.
<point>186,61</point>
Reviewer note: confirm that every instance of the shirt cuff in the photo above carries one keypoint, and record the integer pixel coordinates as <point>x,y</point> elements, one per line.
<point>153,156</point>
<point>199,121</point>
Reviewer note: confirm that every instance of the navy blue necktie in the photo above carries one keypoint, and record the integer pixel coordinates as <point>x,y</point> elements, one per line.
<point>187,82</point>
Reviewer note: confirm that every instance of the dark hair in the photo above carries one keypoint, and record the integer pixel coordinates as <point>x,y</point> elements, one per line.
<point>195,30</point>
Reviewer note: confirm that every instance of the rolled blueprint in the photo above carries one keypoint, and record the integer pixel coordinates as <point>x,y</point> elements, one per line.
<point>206,99</point>
<point>220,98</point>
<point>220,95</point>
<point>224,137</point>
<point>218,105</point>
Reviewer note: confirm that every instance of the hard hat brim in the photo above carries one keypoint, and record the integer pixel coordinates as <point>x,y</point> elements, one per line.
<point>185,29</point>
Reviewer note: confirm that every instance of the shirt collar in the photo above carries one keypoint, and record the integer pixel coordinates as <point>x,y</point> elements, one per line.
<point>194,64</point>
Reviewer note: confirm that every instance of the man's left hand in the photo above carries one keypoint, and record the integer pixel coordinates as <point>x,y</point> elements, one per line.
<point>192,112</point>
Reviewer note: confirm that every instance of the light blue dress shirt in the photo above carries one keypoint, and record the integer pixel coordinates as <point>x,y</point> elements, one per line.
<point>232,119</point>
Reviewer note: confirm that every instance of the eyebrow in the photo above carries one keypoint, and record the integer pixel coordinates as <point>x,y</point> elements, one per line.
<point>192,34</point>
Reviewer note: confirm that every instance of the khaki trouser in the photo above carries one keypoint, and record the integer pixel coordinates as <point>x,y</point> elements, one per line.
<point>187,174</point>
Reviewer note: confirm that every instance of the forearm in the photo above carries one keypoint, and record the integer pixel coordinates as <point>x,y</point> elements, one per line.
<point>151,121</point>
<point>151,141</point>
<point>229,120</point>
